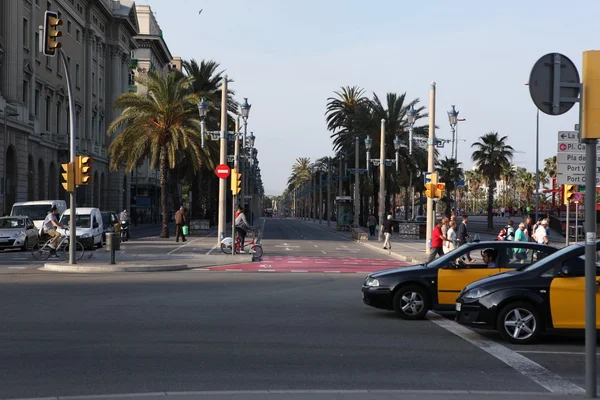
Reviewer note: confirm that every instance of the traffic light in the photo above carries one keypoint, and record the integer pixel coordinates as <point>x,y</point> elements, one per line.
<point>440,190</point>
<point>236,181</point>
<point>430,189</point>
<point>69,176</point>
<point>51,33</point>
<point>569,193</point>
<point>83,170</point>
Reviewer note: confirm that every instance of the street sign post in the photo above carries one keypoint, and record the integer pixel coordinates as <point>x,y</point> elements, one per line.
<point>554,84</point>
<point>222,171</point>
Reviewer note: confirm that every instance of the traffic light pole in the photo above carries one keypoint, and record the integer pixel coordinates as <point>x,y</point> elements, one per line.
<point>73,156</point>
<point>236,166</point>
<point>568,203</point>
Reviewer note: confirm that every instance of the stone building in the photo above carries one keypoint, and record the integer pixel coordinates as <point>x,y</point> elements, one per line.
<point>99,40</point>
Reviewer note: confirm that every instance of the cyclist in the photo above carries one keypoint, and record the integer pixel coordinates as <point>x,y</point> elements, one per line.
<point>50,226</point>
<point>241,227</point>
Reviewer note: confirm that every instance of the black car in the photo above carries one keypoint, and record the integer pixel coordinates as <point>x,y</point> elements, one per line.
<point>521,304</point>
<point>412,291</point>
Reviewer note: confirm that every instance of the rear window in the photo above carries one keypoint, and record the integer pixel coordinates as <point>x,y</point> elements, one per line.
<point>35,212</point>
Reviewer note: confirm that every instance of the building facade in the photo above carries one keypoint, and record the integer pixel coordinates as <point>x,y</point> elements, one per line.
<point>98,39</point>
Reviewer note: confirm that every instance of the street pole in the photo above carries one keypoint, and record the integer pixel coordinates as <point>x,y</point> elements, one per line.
<point>73,156</point>
<point>244,181</point>
<point>328,208</point>
<point>537,170</point>
<point>356,183</point>
<point>382,173</point>
<point>223,160</point>
<point>236,166</point>
<point>340,176</point>
<point>314,197</point>
<point>576,221</point>
<point>456,160</point>
<point>430,165</point>
<point>320,197</point>
<point>453,140</point>
<point>412,187</point>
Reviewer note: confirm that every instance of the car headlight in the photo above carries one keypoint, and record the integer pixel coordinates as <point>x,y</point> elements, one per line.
<point>371,282</point>
<point>86,235</point>
<point>475,293</point>
<point>20,233</point>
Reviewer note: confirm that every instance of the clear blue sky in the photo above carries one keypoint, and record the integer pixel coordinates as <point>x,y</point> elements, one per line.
<point>288,58</point>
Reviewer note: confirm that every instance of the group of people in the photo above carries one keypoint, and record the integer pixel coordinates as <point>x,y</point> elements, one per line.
<point>446,237</point>
<point>527,231</point>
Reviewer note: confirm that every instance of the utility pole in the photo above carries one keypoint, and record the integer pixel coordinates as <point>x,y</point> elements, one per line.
<point>430,165</point>
<point>223,160</point>
<point>328,208</point>
<point>356,184</point>
<point>382,174</point>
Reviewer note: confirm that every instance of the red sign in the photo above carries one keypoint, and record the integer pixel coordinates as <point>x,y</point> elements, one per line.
<point>223,171</point>
<point>563,147</point>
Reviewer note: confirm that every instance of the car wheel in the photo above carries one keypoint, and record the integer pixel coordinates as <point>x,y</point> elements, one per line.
<point>25,245</point>
<point>519,323</point>
<point>411,302</point>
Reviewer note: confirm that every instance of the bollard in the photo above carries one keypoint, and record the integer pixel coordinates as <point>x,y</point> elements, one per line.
<point>113,243</point>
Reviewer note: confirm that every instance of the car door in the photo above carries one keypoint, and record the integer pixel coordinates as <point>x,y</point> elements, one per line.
<point>567,295</point>
<point>452,280</point>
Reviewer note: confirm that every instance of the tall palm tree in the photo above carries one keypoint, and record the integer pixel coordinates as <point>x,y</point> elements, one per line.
<point>508,176</point>
<point>491,155</point>
<point>449,171</point>
<point>159,126</point>
<point>207,83</point>
<point>526,185</point>
<point>301,172</point>
<point>550,167</point>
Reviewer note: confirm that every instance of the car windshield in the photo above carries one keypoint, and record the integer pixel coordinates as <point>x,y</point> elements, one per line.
<point>81,221</point>
<point>12,223</point>
<point>35,212</point>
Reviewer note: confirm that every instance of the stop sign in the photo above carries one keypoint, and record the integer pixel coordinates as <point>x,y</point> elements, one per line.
<point>223,171</point>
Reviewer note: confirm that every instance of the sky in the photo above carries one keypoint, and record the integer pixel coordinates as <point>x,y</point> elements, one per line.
<point>288,57</point>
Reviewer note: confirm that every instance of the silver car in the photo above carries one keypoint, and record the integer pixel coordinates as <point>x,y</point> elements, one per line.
<point>17,232</point>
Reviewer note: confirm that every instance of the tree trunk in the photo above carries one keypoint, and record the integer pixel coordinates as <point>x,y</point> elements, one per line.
<point>163,169</point>
<point>490,219</point>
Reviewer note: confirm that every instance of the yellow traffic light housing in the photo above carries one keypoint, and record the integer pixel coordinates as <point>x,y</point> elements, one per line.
<point>236,181</point>
<point>430,188</point>
<point>69,176</point>
<point>440,190</point>
<point>569,193</point>
<point>51,33</point>
<point>83,170</point>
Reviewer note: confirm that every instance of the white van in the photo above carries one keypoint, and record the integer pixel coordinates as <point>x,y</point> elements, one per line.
<point>37,210</point>
<point>89,225</point>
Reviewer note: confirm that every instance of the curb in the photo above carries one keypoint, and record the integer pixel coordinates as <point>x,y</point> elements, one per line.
<point>111,268</point>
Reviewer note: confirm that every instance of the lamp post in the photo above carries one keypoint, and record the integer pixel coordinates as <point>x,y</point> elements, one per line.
<point>397,162</point>
<point>203,111</point>
<point>328,208</point>
<point>410,118</point>
<point>251,151</point>
<point>382,173</point>
<point>356,184</point>
<point>222,160</point>
<point>368,143</point>
<point>453,119</point>
<point>245,112</point>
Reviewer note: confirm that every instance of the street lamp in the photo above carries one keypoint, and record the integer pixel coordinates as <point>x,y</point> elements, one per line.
<point>202,110</point>
<point>397,148</point>
<point>368,143</point>
<point>453,119</point>
<point>411,116</point>
<point>251,139</point>
<point>245,112</point>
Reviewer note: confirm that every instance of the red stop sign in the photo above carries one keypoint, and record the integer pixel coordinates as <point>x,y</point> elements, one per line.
<point>223,171</point>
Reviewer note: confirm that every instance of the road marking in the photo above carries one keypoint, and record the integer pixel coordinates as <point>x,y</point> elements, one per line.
<point>187,244</point>
<point>17,267</point>
<point>566,353</point>
<point>315,245</point>
<point>299,270</point>
<point>236,270</point>
<point>332,272</point>
<point>294,262</point>
<point>210,251</point>
<point>285,246</point>
<point>266,270</point>
<point>323,251</point>
<point>532,370</point>
<point>321,262</point>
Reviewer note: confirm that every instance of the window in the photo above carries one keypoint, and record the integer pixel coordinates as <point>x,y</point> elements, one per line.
<point>49,62</point>
<point>58,110</point>
<point>36,45</point>
<point>93,83</point>
<point>100,87</point>
<point>520,256</point>
<point>36,104</point>
<point>77,34</point>
<point>48,5</point>
<point>25,91</point>
<point>37,3</point>
<point>48,104</point>
<point>69,27</point>
<point>59,14</point>
<point>58,66</point>
<point>77,75</point>
<point>25,32</point>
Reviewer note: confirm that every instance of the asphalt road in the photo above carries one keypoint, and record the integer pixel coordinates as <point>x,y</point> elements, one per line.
<point>74,334</point>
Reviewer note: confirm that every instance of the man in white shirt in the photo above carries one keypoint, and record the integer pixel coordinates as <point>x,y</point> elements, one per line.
<point>50,225</point>
<point>540,234</point>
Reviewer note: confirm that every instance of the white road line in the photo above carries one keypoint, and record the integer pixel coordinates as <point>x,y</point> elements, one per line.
<point>17,267</point>
<point>321,262</point>
<point>187,244</point>
<point>315,245</point>
<point>323,251</point>
<point>210,251</point>
<point>294,262</point>
<point>299,270</point>
<point>566,353</point>
<point>532,370</point>
<point>332,272</point>
<point>266,270</point>
<point>236,270</point>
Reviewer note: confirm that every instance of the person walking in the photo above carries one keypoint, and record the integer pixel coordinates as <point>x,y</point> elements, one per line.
<point>463,235</point>
<point>372,223</point>
<point>437,242</point>
<point>541,233</point>
<point>180,221</point>
<point>387,232</point>
<point>521,236</point>
<point>450,242</point>
<point>529,229</point>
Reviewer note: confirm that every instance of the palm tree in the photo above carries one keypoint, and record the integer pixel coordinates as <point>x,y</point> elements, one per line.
<point>491,155</point>
<point>159,126</point>
<point>207,83</point>
<point>301,173</point>
<point>508,176</point>
<point>450,172</point>
<point>526,185</point>
<point>550,167</point>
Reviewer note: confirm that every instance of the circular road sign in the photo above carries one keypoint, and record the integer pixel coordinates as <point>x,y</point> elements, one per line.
<point>223,171</point>
<point>554,75</point>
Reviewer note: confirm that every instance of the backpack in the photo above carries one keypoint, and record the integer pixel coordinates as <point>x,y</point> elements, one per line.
<point>502,234</point>
<point>506,233</point>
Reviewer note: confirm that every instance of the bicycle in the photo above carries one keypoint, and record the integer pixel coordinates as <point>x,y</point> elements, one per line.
<point>250,246</point>
<point>43,253</point>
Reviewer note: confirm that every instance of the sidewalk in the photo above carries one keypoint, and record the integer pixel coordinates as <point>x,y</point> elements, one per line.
<point>409,250</point>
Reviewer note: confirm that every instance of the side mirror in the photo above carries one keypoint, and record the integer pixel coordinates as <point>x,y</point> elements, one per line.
<point>565,270</point>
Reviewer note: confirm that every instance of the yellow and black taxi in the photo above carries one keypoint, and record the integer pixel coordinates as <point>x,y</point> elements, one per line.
<point>545,296</point>
<point>412,291</point>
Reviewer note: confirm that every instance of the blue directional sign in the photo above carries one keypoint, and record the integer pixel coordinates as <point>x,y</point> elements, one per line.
<point>427,177</point>
<point>460,183</point>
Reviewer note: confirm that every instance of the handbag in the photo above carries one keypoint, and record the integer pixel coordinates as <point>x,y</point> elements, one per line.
<point>185,230</point>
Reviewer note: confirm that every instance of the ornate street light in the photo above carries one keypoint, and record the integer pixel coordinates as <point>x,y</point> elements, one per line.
<point>411,115</point>
<point>397,148</point>
<point>202,110</point>
<point>368,143</point>
<point>251,139</point>
<point>245,108</point>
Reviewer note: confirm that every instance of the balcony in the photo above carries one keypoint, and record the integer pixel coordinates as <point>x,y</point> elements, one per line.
<point>132,88</point>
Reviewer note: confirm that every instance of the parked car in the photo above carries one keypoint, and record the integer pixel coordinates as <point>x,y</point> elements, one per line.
<point>412,291</point>
<point>37,210</point>
<point>521,304</point>
<point>110,223</point>
<point>17,232</point>
<point>89,226</point>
